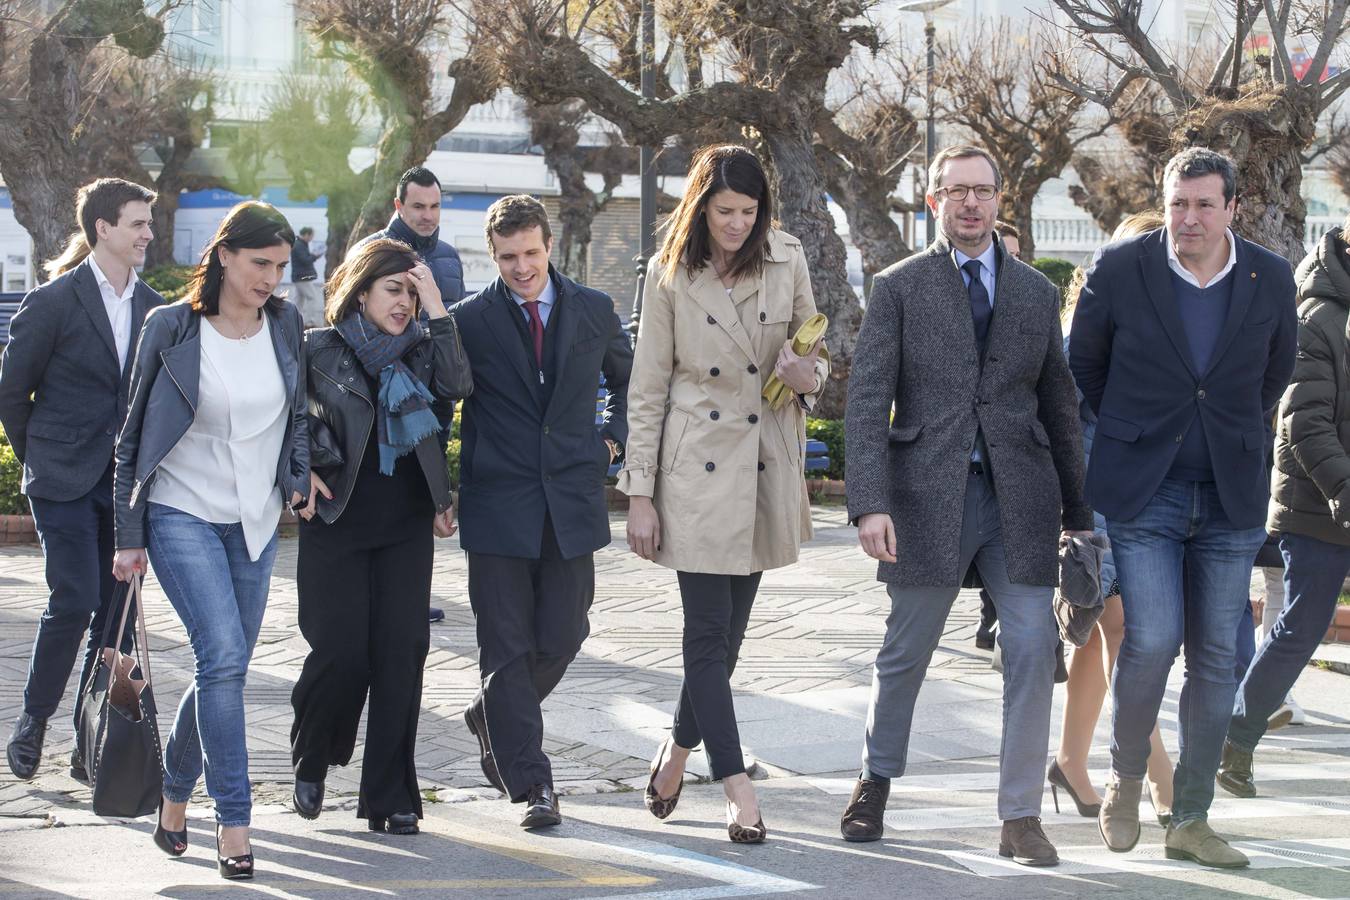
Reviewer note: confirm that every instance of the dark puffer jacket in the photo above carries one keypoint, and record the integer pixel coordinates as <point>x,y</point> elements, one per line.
<point>441,258</point>
<point>1310,494</point>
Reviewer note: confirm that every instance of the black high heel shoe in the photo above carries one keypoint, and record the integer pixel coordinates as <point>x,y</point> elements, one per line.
<point>1055,775</point>
<point>235,868</point>
<point>173,843</point>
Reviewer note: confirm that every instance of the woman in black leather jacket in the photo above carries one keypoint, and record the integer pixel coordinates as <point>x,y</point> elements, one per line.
<point>215,441</point>
<point>377,379</point>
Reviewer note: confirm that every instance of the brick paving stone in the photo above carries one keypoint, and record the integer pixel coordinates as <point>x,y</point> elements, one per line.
<point>815,630</point>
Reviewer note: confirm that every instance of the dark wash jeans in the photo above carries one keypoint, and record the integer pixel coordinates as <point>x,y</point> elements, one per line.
<point>1184,572</point>
<point>1313,574</point>
<point>77,546</point>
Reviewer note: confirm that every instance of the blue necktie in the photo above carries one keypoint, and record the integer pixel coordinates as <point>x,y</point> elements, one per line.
<point>980,310</point>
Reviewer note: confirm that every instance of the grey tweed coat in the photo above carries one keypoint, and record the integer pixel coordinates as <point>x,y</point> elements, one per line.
<point>917,393</point>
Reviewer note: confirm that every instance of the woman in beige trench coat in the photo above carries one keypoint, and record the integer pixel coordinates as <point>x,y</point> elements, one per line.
<point>714,475</point>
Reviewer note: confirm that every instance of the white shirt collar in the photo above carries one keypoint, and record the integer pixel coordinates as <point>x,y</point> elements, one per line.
<point>106,286</point>
<point>545,297</point>
<point>1185,274</point>
<point>988,259</point>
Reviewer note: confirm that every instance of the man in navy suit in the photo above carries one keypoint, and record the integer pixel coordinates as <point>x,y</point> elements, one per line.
<point>1183,341</point>
<point>63,393</point>
<point>532,493</point>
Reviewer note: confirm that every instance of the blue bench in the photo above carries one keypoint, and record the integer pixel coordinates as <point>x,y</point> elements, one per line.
<point>9,305</point>
<point>817,453</point>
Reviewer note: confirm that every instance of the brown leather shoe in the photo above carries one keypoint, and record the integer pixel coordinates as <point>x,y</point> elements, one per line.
<point>1118,820</point>
<point>862,819</point>
<point>1024,842</point>
<point>1235,772</point>
<point>476,721</point>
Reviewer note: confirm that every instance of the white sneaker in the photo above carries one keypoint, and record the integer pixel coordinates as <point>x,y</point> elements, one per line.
<point>1297,715</point>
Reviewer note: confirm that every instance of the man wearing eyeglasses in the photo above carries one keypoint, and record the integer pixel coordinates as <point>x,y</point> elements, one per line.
<point>964,447</point>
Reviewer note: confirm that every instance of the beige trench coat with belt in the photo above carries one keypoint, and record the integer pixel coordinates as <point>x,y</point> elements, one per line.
<point>725,472</point>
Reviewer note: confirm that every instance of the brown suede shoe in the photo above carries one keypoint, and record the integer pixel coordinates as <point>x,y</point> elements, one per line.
<point>1196,841</point>
<point>862,819</point>
<point>1024,842</point>
<point>1235,772</point>
<point>1118,820</point>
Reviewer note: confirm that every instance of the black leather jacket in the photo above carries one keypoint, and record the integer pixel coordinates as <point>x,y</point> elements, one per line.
<point>165,380</point>
<point>342,410</point>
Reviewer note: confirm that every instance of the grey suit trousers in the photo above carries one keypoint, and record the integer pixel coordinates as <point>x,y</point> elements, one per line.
<point>1027,636</point>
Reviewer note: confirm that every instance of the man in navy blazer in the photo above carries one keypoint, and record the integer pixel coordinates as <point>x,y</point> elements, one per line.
<point>1182,342</point>
<point>63,394</point>
<point>532,486</point>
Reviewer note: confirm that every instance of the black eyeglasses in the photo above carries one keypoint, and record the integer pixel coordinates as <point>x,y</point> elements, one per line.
<point>958,192</point>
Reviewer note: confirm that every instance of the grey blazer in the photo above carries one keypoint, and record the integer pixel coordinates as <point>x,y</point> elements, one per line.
<point>917,393</point>
<point>62,393</point>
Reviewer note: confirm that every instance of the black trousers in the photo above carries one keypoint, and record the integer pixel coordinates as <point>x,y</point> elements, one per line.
<point>77,546</point>
<point>363,610</point>
<point>531,620</point>
<point>716,613</point>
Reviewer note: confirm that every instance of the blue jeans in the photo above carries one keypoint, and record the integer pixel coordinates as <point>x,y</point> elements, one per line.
<point>1185,572</point>
<point>1313,573</point>
<point>220,594</point>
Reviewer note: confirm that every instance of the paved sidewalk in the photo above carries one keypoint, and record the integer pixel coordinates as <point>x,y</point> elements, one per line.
<point>802,690</point>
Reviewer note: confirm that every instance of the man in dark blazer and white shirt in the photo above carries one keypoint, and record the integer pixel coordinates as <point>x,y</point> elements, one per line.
<point>63,393</point>
<point>964,446</point>
<point>532,486</point>
<point>1182,342</point>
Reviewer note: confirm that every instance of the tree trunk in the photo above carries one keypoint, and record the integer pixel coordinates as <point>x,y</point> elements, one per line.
<point>1016,211</point>
<point>1266,136</point>
<point>43,190</point>
<point>162,216</point>
<point>800,190</point>
<point>393,156</point>
<point>867,206</point>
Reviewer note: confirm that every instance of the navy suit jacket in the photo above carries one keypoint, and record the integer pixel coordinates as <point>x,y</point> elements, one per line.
<point>521,457</point>
<point>62,393</point>
<point>1129,354</point>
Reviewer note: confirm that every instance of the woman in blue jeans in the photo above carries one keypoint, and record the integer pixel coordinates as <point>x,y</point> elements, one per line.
<point>214,443</point>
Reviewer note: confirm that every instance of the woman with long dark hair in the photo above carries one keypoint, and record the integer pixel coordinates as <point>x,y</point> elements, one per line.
<point>215,442</point>
<point>379,484</point>
<point>714,471</point>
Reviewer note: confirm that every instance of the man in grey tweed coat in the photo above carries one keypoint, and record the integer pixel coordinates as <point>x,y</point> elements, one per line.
<point>964,447</point>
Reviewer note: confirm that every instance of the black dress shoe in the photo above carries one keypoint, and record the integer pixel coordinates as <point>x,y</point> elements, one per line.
<point>863,819</point>
<point>398,823</point>
<point>25,746</point>
<point>77,770</point>
<point>984,640</point>
<point>541,808</point>
<point>308,798</point>
<point>476,721</point>
<point>436,614</point>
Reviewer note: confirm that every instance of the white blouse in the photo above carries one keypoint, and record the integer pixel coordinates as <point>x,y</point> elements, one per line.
<point>224,469</point>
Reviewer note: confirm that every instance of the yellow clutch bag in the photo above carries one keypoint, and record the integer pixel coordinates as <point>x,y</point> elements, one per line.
<point>806,337</point>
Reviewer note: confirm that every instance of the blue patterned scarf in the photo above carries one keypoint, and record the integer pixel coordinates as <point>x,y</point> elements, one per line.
<point>403,415</point>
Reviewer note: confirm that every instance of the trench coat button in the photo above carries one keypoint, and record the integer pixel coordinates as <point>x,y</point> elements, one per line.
<point>711,320</point>
<point>710,466</point>
<point>753,418</point>
<point>752,369</point>
<point>761,467</point>
<point>714,371</point>
<point>714,415</point>
<point>763,316</point>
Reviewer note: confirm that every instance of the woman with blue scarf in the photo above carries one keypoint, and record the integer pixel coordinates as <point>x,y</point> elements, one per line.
<point>382,382</point>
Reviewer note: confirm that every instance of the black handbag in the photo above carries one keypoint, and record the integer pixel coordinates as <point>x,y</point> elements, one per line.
<point>117,722</point>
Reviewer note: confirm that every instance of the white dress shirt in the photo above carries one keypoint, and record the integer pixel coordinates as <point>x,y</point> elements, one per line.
<point>224,469</point>
<point>545,298</point>
<point>118,308</point>
<point>1185,274</point>
<point>988,263</point>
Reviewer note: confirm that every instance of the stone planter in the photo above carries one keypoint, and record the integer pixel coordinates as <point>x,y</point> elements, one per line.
<point>17,530</point>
